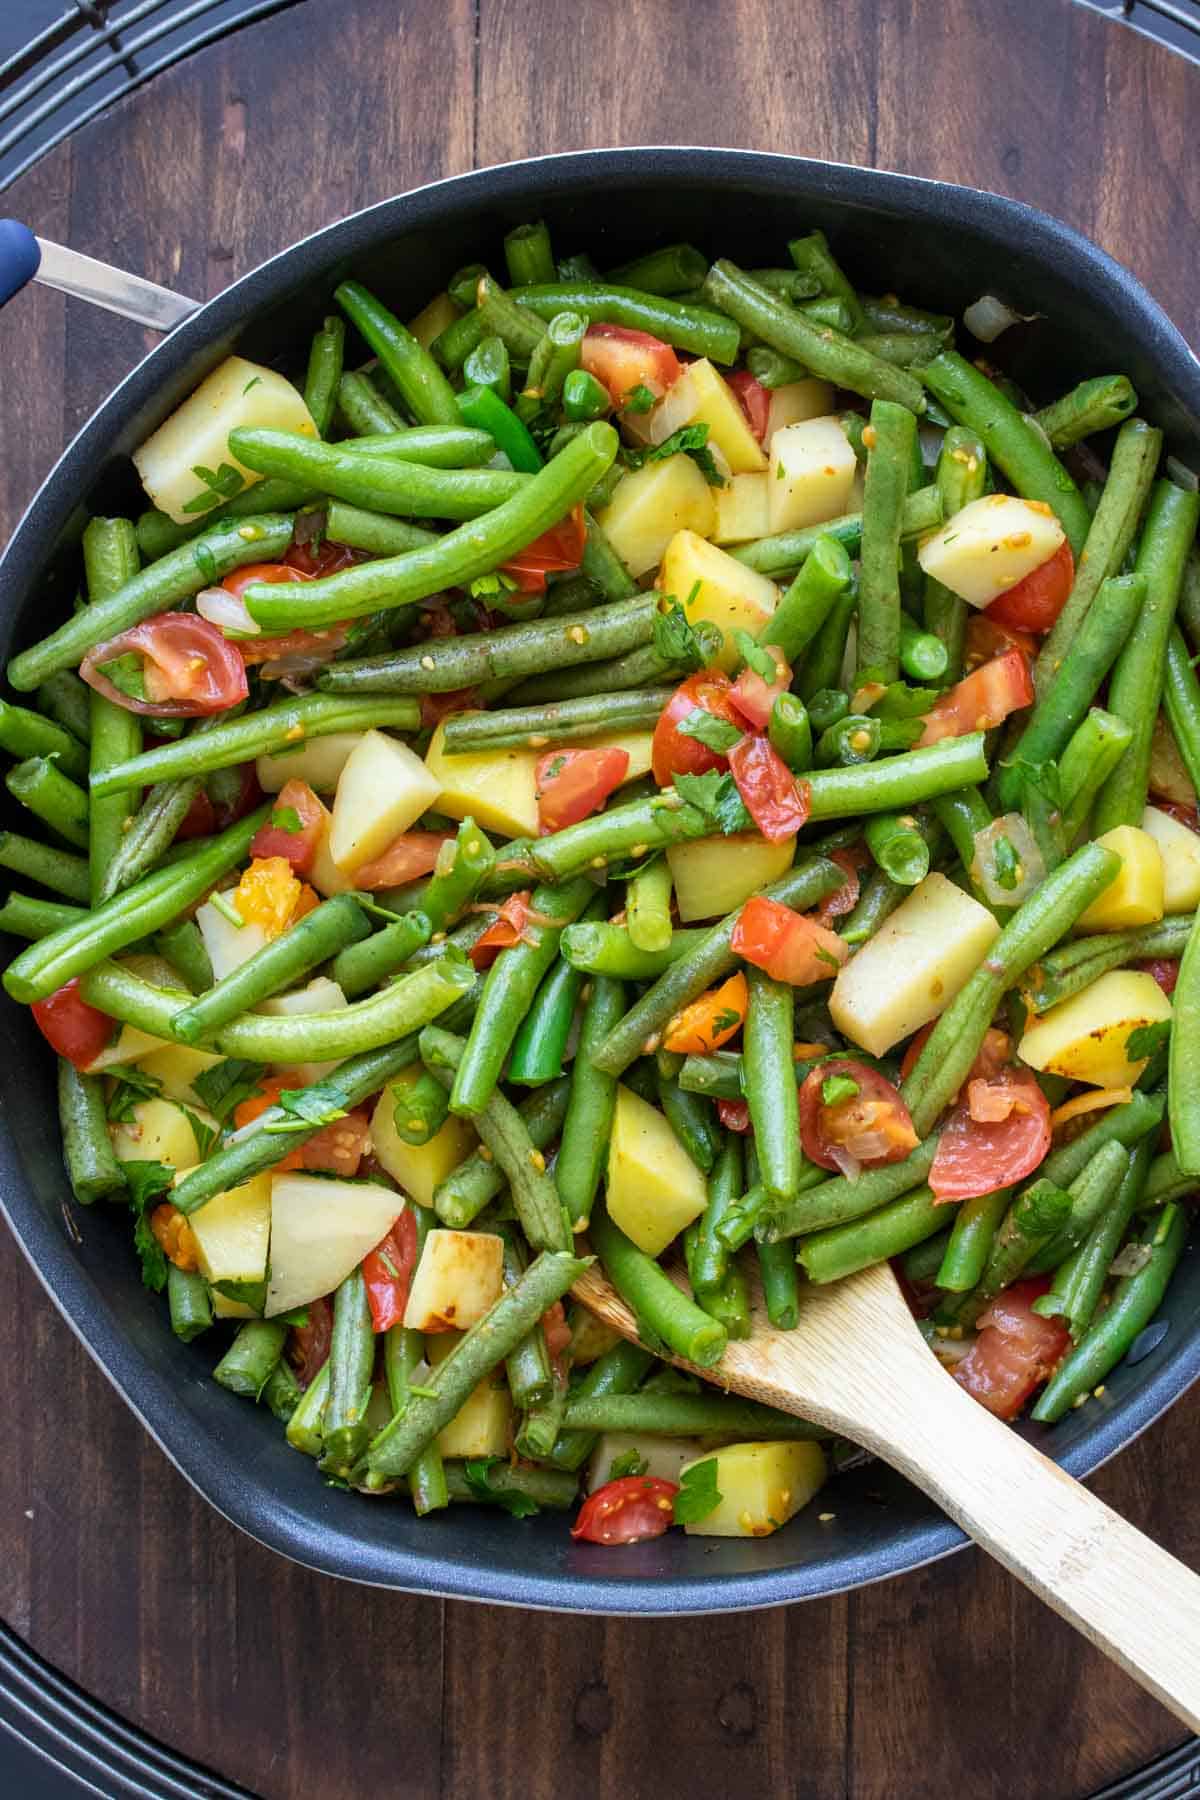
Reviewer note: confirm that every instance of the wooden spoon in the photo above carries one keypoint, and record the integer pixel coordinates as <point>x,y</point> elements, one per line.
<point>857,1365</point>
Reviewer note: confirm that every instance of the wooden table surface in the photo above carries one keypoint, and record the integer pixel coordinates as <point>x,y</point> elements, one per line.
<point>952,1680</point>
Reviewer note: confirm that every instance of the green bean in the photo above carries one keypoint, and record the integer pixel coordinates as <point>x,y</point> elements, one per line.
<point>898,782</point>
<point>246,1366</point>
<point>617,1372</point>
<point>362,407</point>
<point>812,257</point>
<point>324,373</point>
<point>538,727</point>
<point>1137,677</point>
<point>351,1361</point>
<point>838,1201</point>
<point>898,847</point>
<point>1033,1221</point>
<point>488,366</point>
<point>546,1488</point>
<point>304,1428</point>
<point>110,559</point>
<point>527,1367</point>
<point>693,328</point>
<point>280,964</point>
<point>691,1119</point>
<point>817,682</point>
<point>878,1236</point>
<point>482,1348</point>
<point>921,512</point>
<point>190,1307</point>
<point>824,577</point>
<point>674,269</point>
<point>462,1196</point>
<point>1181,702</point>
<point>528,254</point>
<point>386,484</point>
<point>540,1426</point>
<point>1185,1127</point>
<point>921,1264</point>
<point>923,654</point>
<point>822,351</point>
<point>879,898</point>
<point>903,349</point>
<point>1093,406</point>
<point>1093,754</point>
<point>422,385</point>
<point>283,1391</point>
<point>637,668</point>
<point>150,835</point>
<point>200,563</point>
<point>780,1285</point>
<point>827,707</point>
<point>1069,970</point>
<point>53,868</point>
<point>1112,531</point>
<point>25,917</point>
<point>584,398</point>
<point>92,1168</point>
<point>971,1238</point>
<point>894,428</point>
<point>52,797</point>
<point>1166,1182</point>
<point>1126,1125</point>
<point>66,700</point>
<point>686,1415</point>
<point>587,1126</point>
<point>1014,445</point>
<point>283,725</point>
<point>1189,599</point>
<point>421,1107</point>
<point>853,740</point>
<point>709,1262</point>
<point>432,446</point>
<point>962,474</point>
<point>24,733</point>
<point>1080,1281</point>
<point>483,407</point>
<point>376,532</point>
<point>1135,1301</point>
<point>554,359</point>
<point>886,313</point>
<point>1038,923</point>
<point>648,907</point>
<point>604,949</point>
<point>1091,1192</point>
<point>771,1084</point>
<point>1106,628</point>
<point>661,1309</point>
<point>363,964</point>
<point>770,368</point>
<point>537,1049</point>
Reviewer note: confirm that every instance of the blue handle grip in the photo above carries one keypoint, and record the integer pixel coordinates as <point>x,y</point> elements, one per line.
<point>20,255</point>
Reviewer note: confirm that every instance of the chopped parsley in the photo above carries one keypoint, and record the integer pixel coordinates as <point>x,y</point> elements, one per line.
<point>628,1463</point>
<point>639,399</point>
<point>838,1088</point>
<point>715,734</point>
<point>478,1476</point>
<point>716,796</point>
<point>132,1086</point>
<point>286,818</point>
<point>226,1085</point>
<point>759,661</point>
<point>698,1493</point>
<point>690,440</point>
<point>147,1182</point>
<point>218,484</point>
<point>1144,1040</point>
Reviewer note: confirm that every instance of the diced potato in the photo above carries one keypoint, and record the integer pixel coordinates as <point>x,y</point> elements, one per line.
<point>702,397</point>
<point>419,1168</point>
<point>654,1187</point>
<point>796,402</point>
<point>225,1308</point>
<point>741,510</point>
<point>433,319</point>
<point>324,874</point>
<point>713,875</point>
<point>663,1457</point>
<point>1168,776</point>
<point>590,1338</point>
<point>649,505</point>
<point>481,1426</point>
<point>712,586</point>
<point>762,1486</point>
<point>175,1068</point>
<point>233,1230</point>
<point>460,1275</point>
<point>320,1231</point>
<point>186,465</point>
<point>161,1132</point>
<point>129,1045</point>
<point>320,996</point>
<point>382,790</point>
<point>638,745</point>
<point>319,761</point>
<point>228,945</point>
<point>1084,1037</point>
<point>913,967</point>
<point>1136,896</point>
<point>496,788</point>
<point>811,470</point>
<point>1180,851</point>
<point>989,545</point>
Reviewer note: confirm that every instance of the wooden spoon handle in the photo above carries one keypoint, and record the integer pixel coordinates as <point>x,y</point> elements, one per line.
<point>1133,1600</point>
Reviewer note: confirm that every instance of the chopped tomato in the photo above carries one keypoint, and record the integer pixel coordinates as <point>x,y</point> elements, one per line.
<point>995,1051</point>
<point>624,360</point>
<point>572,784</point>
<point>709,1021</point>
<point>175,665</point>
<point>987,637</point>
<point>309,1344</point>
<point>981,700</point>
<point>673,752</point>
<point>1015,1352</point>
<point>245,800</point>
<point>976,1155</point>
<point>436,707</point>
<point>299,643</point>
<point>1035,603</point>
<point>72,1027</point>
<point>268,894</point>
<point>199,820</point>
<point>734,1115</point>
<point>238,580</point>
<point>775,800</point>
<point>1165,970</point>
<point>844,899</point>
<point>1186,815</point>
<point>753,697</point>
<point>387,1272</point>
<point>559,548</point>
<point>787,945</point>
<point>506,929</point>
<point>755,401</point>
<point>293,829</point>
<point>849,1131</point>
<point>326,558</point>
<point>336,1149</point>
<point>627,1511</point>
<point>406,858</point>
<point>176,1239</point>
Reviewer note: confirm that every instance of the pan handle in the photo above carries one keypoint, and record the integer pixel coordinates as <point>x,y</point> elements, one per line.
<point>25,258</point>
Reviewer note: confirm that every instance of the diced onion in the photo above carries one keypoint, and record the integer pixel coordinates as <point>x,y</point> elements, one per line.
<point>849,1165</point>
<point>1131,1260</point>
<point>1030,865</point>
<point>987,317</point>
<point>221,608</point>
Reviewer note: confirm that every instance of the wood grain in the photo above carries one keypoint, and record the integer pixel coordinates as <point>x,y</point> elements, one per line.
<point>949,1680</point>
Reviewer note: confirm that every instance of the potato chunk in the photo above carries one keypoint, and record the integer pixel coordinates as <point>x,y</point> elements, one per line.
<point>1136,896</point>
<point>702,397</point>
<point>989,545</point>
<point>382,790</point>
<point>232,1231</point>
<point>320,1231</point>
<point>654,1187</point>
<point>811,472</point>
<point>419,1168</point>
<point>481,1426</point>
<point>1084,1038</point>
<point>797,401</point>
<point>460,1275</point>
<point>649,505</point>
<point>714,587</point>
<point>713,875</point>
<point>160,1131</point>
<point>762,1486</point>
<point>1180,851</point>
<point>741,509</point>
<point>496,788</point>
<point>320,762</point>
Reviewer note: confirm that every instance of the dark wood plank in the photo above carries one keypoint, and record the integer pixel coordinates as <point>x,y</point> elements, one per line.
<point>950,1679</point>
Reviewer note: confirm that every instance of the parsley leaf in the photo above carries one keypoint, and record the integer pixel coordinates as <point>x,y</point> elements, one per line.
<point>638,399</point>
<point>250,1293</point>
<point>698,1493</point>
<point>486,587</point>
<point>715,734</point>
<point>1006,864</point>
<point>218,484</point>
<point>629,1463</point>
<point>757,660</point>
<point>204,1134</point>
<point>146,1182</point>
<point>690,440</point>
<point>674,639</point>
<point>127,674</point>
<point>899,701</point>
<point>826,956</point>
<point>205,561</point>
<point>286,818</point>
<point>478,1473</point>
<point>226,1085</point>
<point>132,1086</point>
<point>310,1107</point>
<point>716,796</point>
<point>836,1088</point>
<point>726,1020</point>
<point>1144,1040</point>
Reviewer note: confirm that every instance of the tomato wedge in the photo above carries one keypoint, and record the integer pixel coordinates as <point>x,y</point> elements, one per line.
<point>387,1272</point>
<point>325,559</point>
<point>174,666</point>
<point>1015,1352</point>
<point>624,360</point>
<point>199,820</point>
<point>981,700</point>
<point>673,752</point>
<point>754,399</point>
<point>293,829</point>
<point>979,1150</point>
<point>775,800</point>
<point>1035,603</point>
<point>734,1115</point>
<point>1165,970</point>
<point>995,1051</point>
<point>504,931</point>
<point>753,697</point>
<point>72,1027</point>
<point>709,1021</point>
<point>559,548</point>
<point>309,1344</point>
<point>987,637</point>
<point>627,1511</point>
<point>787,945</point>
<point>846,1130</point>
<point>406,859</point>
<point>337,1149</point>
<point>571,784</point>
<point>299,644</point>
<point>852,861</point>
